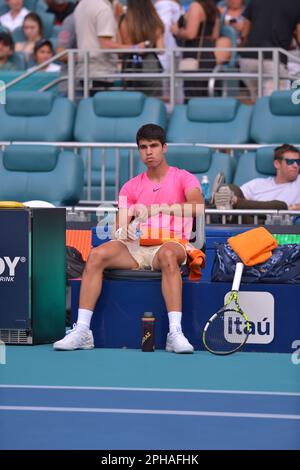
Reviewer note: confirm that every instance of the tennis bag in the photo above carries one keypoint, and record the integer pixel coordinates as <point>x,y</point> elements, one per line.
<point>74,262</point>
<point>282,267</point>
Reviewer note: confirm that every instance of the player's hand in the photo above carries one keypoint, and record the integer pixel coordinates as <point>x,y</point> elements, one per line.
<point>127,233</point>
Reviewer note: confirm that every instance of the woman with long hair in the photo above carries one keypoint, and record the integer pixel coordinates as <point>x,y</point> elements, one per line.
<point>141,23</point>
<point>200,27</point>
<point>33,32</point>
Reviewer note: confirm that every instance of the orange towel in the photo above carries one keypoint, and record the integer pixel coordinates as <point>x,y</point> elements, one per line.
<point>159,236</point>
<point>254,246</point>
<point>80,239</point>
<point>196,257</point>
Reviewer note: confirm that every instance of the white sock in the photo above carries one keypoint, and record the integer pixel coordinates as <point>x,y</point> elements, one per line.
<point>84,318</point>
<point>174,321</point>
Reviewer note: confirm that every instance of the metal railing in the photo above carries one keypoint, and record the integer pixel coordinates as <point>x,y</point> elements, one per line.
<point>212,216</point>
<point>98,150</point>
<point>80,86</point>
<point>103,205</point>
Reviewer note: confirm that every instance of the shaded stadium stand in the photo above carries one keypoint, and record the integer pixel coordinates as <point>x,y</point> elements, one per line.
<point>276,119</point>
<point>113,116</point>
<point>258,164</point>
<point>35,172</point>
<point>211,121</point>
<point>33,116</point>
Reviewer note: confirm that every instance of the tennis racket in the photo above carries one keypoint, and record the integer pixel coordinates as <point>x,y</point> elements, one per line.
<point>228,329</point>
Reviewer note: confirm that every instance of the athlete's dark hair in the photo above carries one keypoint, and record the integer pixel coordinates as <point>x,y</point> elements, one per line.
<point>151,132</point>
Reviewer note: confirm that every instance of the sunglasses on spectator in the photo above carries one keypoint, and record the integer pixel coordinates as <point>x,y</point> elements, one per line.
<point>290,161</point>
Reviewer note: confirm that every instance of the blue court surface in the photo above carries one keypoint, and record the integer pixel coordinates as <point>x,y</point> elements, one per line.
<point>126,399</point>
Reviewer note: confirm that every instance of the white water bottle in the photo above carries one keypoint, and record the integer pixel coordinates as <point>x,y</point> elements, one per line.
<point>205,186</point>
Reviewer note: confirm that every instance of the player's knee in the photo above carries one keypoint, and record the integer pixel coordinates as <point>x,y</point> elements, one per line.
<point>97,259</point>
<point>168,259</point>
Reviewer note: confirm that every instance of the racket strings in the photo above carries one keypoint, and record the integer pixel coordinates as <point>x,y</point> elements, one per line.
<point>226,331</point>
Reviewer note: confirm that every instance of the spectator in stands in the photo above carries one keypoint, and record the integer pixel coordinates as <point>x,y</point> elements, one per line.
<point>96,28</point>
<point>169,12</point>
<point>293,64</point>
<point>15,16</point>
<point>232,15</point>
<point>141,24</point>
<point>66,40</point>
<point>200,26</point>
<point>43,51</point>
<point>6,51</point>
<point>279,192</point>
<point>61,9</point>
<point>145,197</point>
<point>270,23</point>
<point>33,31</point>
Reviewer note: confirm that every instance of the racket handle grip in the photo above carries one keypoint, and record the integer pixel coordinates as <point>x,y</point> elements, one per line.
<point>237,276</point>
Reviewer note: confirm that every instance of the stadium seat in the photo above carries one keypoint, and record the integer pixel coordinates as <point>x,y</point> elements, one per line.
<point>29,172</point>
<point>18,59</point>
<point>257,164</point>
<point>3,9</point>
<point>210,121</point>
<point>276,119</point>
<point>33,82</point>
<point>201,161</point>
<point>41,7</point>
<point>30,4</point>
<point>113,116</point>
<point>34,116</point>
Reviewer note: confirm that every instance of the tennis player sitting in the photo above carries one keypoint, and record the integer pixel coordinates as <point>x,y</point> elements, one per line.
<point>158,201</point>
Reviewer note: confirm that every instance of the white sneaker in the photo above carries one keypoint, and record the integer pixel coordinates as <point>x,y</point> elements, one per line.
<point>223,198</point>
<point>218,182</point>
<point>76,338</point>
<point>177,342</point>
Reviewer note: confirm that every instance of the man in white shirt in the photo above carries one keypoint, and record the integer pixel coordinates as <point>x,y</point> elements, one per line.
<point>96,29</point>
<point>15,16</point>
<point>276,192</point>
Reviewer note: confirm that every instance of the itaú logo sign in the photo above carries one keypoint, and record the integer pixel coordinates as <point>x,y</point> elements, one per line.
<point>8,267</point>
<point>261,328</point>
<point>259,308</point>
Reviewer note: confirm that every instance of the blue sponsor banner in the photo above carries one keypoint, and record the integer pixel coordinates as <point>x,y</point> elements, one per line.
<point>14,269</point>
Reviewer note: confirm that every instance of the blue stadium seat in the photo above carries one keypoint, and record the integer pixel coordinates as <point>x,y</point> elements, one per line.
<point>210,121</point>
<point>33,82</point>
<point>40,7</point>
<point>114,116</point>
<point>18,58</point>
<point>34,116</point>
<point>257,164</point>
<point>29,172</point>
<point>30,4</point>
<point>3,8</point>
<point>201,161</point>
<point>276,119</point>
